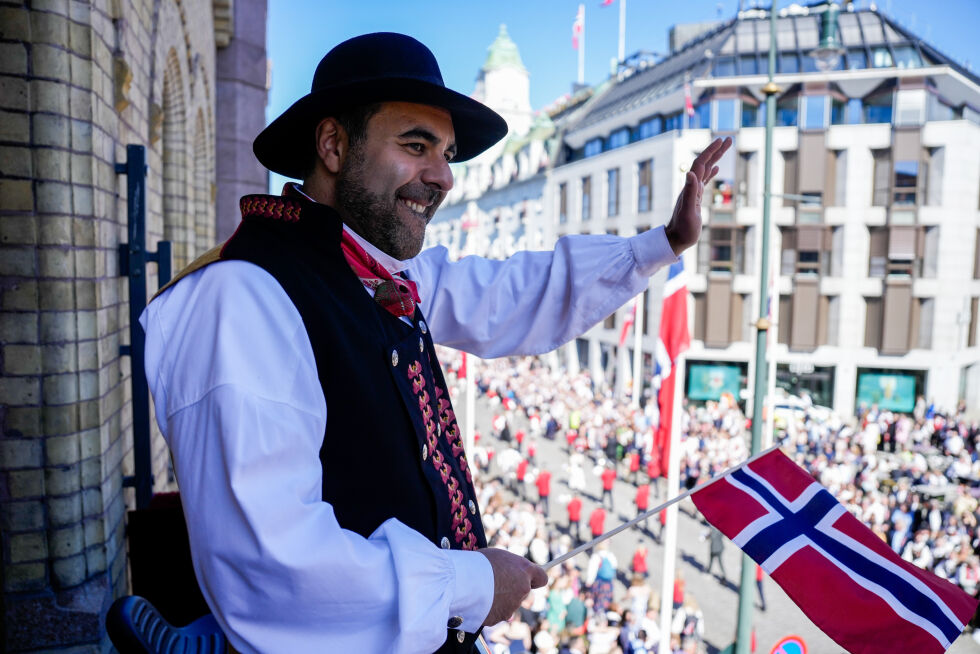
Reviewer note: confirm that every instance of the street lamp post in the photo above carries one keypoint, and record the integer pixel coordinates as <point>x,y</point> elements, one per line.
<point>746,594</point>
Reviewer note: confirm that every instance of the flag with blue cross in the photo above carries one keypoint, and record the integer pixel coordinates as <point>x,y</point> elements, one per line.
<point>843,576</point>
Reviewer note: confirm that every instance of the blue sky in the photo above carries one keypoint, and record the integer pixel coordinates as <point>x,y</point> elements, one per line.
<point>300,32</point>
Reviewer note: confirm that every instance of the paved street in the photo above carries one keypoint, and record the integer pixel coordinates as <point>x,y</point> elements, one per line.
<point>718,600</point>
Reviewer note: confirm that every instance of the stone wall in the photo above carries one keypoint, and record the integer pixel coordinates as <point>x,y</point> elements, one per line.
<point>78,82</point>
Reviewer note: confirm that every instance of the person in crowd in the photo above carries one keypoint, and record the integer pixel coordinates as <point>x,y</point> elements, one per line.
<point>574,517</point>
<point>608,477</point>
<point>543,482</point>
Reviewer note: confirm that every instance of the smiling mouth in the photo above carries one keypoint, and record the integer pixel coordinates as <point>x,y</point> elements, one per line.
<point>415,207</point>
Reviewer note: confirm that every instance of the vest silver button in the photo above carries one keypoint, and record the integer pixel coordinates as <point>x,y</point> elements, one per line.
<point>438,429</point>
<point>472,506</point>
<point>425,330</point>
<point>394,358</point>
<point>460,636</point>
<point>425,452</point>
<point>444,543</point>
<point>421,344</point>
<point>455,622</point>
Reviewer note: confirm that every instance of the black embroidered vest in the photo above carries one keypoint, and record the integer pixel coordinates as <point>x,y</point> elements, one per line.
<point>392,448</point>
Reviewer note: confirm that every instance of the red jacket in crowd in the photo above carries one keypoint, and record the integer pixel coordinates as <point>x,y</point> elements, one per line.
<point>544,483</point>
<point>521,469</point>
<point>608,477</point>
<point>635,462</point>
<point>519,436</point>
<point>653,467</point>
<point>597,520</point>
<point>575,510</point>
<point>640,560</point>
<point>571,435</point>
<point>643,497</point>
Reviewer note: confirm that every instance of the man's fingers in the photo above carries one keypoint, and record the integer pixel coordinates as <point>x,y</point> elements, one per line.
<point>538,577</point>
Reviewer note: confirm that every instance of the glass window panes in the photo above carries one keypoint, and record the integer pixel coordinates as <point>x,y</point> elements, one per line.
<point>815,116</point>
<point>878,108</point>
<point>788,63</point>
<point>702,116</point>
<point>856,59</point>
<point>562,203</point>
<point>936,109</point>
<point>748,65</point>
<point>593,147</point>
<point>724,67</point>
<point>881,57</point>
<point>907,57</point>
<point>807,32</point>
<point>619,138</point>
<point>750,115</point>
<point>586,198</point>
<point>787,111</point>
<point>645,186</point>
<point>726,115</point>
<point>785,35</point>
<point>906,181</point>
<point>673,121</point>
<point>651,127</point>
<point>845,112</point>
<point>612,186</point>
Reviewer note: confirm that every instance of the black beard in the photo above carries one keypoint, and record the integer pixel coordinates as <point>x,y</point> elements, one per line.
<point>373,216</point>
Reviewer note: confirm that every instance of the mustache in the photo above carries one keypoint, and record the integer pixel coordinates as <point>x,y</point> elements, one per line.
<point>417,192</point>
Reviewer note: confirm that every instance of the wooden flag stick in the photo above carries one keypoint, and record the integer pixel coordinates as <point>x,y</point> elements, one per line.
<point>643,516</point>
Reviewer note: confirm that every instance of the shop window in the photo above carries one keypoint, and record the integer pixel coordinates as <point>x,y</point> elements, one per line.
<point>644,194</point>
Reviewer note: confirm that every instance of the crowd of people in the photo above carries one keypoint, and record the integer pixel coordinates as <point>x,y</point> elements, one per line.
<point>912,478</point>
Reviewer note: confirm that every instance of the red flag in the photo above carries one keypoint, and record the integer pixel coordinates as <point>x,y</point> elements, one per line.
<point>462,368</point>
<point>688,102</point>
<point>674,339</point>
<point>578,26</point>
<point>628,322</point>
<point>844,577</point>
<point>606,3</point>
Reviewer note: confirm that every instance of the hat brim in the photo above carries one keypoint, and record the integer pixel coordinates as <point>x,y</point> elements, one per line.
<point>286,145</point>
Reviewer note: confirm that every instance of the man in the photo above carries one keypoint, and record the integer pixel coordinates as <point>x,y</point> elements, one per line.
<point>543,483</point>
<point>360,532</point>
<point>574,516</point>
<point>608,477</point>
<point>716,548</point>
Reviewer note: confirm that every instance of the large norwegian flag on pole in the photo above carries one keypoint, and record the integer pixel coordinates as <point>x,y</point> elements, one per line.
<point>674,339</point>
<point>844,578</point>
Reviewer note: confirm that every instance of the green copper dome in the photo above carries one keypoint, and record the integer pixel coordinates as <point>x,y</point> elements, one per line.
<point>503,52</point>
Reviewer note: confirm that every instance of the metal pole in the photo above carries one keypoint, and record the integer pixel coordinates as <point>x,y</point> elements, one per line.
<point>746,594</point>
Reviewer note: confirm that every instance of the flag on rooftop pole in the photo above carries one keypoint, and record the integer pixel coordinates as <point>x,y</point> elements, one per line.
<point>688,100</point>
<point>843,577</point>
<point>578,27</point>
<point>628,321</point>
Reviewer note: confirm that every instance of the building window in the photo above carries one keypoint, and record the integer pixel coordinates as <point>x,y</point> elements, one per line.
<point>845,112</point>
<point>788,63</point>
<point>906,181</point>
<point>938,109</point>
<point>877,251</point>
<point>971,334</point>
<point>724,67</point>
<point>857,59</point>
<point>750,114</point>
<point>673,121</point>
<point>619,138</point>
<point>593,147</point>
<point>722,249</point>
<point>612,187</point>
<point>702,116</point>
<point>926,312</point>
<point>586,198</point>
<point>881,57</point>
<point>725,115</point>
<point>651,127</point>
<point>562,203</point>
<point>748,65</point>
<point>907,57</point>
<point>745,174</point>
<point>872,322</point>
<point>787,111</point>
<point>882,177</point>
<point>934,185</point>
<point>878,108</point>
<point>815,112</point>
<point>644,194</point>
<point>790,184</point>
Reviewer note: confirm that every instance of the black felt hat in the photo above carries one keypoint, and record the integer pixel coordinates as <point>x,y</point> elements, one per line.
<point>380,67</point>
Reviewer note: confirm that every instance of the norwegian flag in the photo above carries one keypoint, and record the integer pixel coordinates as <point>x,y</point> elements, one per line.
<point>606,3</point>
<point>844,577</point>
<point>628,322</point>
<point>578,26</point>
<point>688,101</point>
<point>674,339</point>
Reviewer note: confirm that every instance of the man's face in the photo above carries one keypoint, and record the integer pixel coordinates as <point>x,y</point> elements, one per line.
<point>393,180</point>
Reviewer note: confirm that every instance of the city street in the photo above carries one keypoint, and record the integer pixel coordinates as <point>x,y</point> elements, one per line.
<point>717,599</point>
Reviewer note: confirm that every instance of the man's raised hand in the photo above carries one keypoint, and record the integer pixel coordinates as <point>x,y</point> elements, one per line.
<point>513,578</point>
<point>684,227</point>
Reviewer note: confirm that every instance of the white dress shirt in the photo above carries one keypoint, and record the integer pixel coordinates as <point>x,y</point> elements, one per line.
<point>239,401</point>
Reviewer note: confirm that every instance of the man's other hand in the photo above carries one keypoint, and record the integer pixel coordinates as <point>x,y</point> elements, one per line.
<point>513,578</point>
<point>684,227</point>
